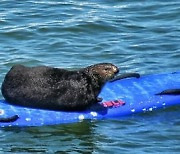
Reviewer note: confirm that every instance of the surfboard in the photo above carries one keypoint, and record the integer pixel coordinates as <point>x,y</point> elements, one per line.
<point>120,98</point>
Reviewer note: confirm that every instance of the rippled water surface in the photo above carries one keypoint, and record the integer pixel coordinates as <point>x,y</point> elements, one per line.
<point>138,36</point>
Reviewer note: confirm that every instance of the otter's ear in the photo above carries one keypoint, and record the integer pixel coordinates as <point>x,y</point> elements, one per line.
<point>92,73</point>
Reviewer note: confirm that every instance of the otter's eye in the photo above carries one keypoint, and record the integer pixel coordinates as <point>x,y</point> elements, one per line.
<point>107,69</point>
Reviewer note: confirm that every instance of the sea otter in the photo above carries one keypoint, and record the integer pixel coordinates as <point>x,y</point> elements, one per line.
<point>54,88</point>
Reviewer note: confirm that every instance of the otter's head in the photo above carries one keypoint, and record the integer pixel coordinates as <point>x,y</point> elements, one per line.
<point>102,71</point>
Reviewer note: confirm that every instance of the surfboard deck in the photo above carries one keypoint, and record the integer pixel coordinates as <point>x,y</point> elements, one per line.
<point>132,95</point>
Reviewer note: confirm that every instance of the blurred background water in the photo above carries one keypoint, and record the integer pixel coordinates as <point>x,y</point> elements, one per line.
<point>138,36</point>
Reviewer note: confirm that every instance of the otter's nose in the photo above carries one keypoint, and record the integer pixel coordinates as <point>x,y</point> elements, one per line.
<point>116,69</point>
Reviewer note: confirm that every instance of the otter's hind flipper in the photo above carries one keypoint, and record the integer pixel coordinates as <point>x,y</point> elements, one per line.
<point>9,119</point>
<point>126,75</point>
<point>170,92</point>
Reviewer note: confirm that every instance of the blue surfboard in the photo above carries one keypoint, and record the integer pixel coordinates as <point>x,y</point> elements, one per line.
<point>120,98</point>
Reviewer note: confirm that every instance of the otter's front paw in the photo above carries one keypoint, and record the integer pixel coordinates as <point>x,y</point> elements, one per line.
<point>99,99</point>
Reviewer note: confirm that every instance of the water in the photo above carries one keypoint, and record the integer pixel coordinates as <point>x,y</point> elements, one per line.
<point>138,36</point>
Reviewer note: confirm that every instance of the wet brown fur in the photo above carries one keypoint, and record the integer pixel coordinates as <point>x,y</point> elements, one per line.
<point>54,88</point>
